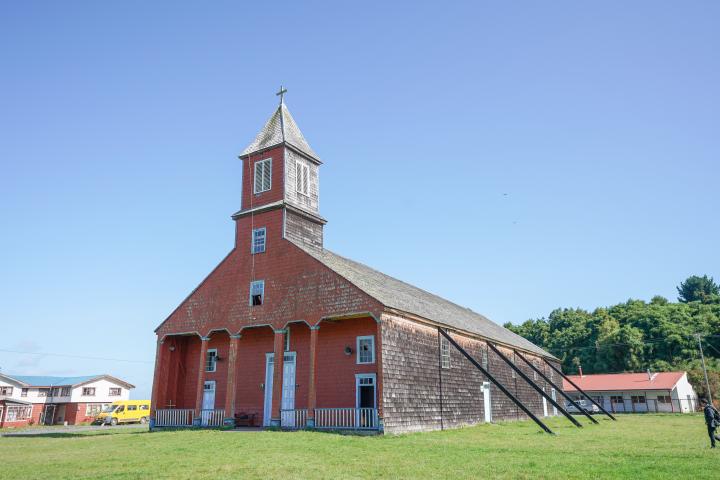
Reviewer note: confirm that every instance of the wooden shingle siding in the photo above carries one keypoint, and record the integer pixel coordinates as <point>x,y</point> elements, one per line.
<point>307,202</point>
<point>301,230</point>
<point>412,374</point>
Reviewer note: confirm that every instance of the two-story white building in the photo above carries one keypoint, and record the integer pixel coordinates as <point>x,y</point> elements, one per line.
<point>29,399</point>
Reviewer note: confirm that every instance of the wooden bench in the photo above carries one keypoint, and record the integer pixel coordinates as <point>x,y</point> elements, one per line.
<point>243,419</point>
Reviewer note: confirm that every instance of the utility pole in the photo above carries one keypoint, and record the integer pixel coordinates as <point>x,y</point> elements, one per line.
<point>702,359</point>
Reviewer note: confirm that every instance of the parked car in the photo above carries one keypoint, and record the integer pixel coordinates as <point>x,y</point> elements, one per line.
<point>124,411</point>
<point>584,404</point>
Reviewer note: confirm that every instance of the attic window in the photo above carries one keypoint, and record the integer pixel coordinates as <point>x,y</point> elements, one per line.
<point>6,391</point>
<point>263,175</point>
<point>302,175</point>
<point>88,391</point>
<point>257,293</point>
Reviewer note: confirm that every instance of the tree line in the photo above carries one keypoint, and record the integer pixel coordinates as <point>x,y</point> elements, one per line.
<point>659,335</point>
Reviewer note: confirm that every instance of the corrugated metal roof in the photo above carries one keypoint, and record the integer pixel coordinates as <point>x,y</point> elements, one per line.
<point>399,295</point>
<point>281,128</point>
<point>46,381</point>
<point>624,381</point>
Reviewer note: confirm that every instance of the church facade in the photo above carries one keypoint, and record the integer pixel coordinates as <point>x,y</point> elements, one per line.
<point>285,333</point>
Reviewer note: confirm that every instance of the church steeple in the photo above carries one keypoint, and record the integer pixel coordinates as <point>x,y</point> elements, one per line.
<point>281,128</point>
<point>280,171</point>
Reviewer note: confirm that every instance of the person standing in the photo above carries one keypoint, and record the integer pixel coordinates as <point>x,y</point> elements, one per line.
<point>712,420</point>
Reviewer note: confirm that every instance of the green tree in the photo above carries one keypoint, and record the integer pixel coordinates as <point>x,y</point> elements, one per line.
<point>699,289</point>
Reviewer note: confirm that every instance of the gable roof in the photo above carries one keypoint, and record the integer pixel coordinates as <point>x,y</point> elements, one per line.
<point>624,381</point>
<point>280,128</point>
<point>48,381</point>
<point>399,295</point>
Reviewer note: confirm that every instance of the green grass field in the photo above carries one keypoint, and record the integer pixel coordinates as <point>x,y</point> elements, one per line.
<point>636,446</point>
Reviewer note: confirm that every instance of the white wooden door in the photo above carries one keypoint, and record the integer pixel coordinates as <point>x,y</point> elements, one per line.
<point>208,403</point>
<point>554,397</point>
<point>269,370</point>
<point>287,404</point>
<point>486,402</point>
<point>545,410</point>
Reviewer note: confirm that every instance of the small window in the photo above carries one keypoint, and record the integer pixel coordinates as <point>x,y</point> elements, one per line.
<point>56,392</point>
<point>132,408</point>
<point>263,175</point>
<point>616,399</point>
<point>6,391</point>
<point>209,386</point>
<point>287,339</point>
<point>23,392</point>
<point>211,360</point>
<point>43,392</point>
<point>258,240</point>
<point>638,399</point>
<point>65,392</point>
<point>663,398</point>
<point>257,293</point>
<point>444,352</point>
<point>144,407</point>
<point>366,349</point>
<point>302,174</point>
<point>88,391</point>
<point>115,391</point>
<point>484,359</point>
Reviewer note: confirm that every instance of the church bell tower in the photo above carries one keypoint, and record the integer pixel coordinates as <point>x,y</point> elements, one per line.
<point>280,172</point>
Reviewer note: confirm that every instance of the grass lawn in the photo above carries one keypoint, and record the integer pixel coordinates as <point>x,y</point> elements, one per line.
<point>636,446</point>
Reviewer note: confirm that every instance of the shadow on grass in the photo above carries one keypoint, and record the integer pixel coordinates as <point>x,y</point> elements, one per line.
<point>69,434</point>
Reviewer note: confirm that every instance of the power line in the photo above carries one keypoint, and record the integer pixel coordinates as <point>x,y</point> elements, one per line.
<point>46,354</point>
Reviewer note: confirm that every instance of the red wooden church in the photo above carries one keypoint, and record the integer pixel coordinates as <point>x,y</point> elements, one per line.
<point>284,332</point>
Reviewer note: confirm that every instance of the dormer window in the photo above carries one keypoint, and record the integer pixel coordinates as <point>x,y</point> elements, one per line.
<point>302,177</point>
<point>257,293</point>
<point>263,175</point>
<point>258,240</point>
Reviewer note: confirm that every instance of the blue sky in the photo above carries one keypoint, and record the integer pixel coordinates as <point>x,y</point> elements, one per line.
<point>513,157</point>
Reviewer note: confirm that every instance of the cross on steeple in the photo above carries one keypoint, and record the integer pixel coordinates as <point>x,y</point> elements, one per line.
<point>282,92</point>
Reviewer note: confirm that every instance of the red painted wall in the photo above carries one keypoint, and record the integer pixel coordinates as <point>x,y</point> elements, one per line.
<point>221,342</point>
<point>336,370</point>
<point>252,347</point>
<point>276,191</point>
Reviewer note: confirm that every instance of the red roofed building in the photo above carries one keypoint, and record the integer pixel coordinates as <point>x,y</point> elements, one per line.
<point>637,392</point>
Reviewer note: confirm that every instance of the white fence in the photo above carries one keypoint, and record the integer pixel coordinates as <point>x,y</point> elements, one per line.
<point>174,417</point>
<point>347,418</point>
<point>212,418</point>
<point>293,418</point>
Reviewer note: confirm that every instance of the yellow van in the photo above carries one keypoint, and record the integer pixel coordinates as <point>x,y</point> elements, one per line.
<point>124,411</point>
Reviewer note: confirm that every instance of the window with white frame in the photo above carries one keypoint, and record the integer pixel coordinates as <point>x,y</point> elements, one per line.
<point>65,392</point>
<point>287,339</point>
<point>257,293</point>
<point>115,391</point>
<point>93,409</point>
<point>258,240</point>
<point>16,413</point>
<point>444,352</point>
<point>366,349</point>
<point>56,391</point>
<point>43,392</point>
<point>302,177</point>
<point>6,391</point>
<point>263,175</point>
<point>211,360</point>
<point>88,391</point>
<point>24,392</point>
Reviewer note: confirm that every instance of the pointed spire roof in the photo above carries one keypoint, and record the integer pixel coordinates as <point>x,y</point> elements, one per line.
<point>281,128</point>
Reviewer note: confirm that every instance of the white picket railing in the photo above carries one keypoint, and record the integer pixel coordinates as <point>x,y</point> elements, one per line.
<point>212,418</point>
<point>293,418</point>
<point>174,417</point>
<point>347,418</point>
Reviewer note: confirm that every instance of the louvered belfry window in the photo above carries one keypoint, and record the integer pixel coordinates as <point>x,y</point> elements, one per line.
<point>302,177</point>
<point>263,175</point>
